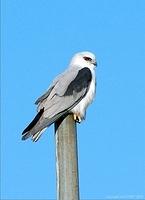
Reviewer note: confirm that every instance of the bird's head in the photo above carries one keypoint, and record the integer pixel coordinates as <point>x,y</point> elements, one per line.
<point>84,59</point>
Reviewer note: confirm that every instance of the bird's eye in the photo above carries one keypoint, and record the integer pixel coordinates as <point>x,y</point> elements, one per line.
<point>87,58</point>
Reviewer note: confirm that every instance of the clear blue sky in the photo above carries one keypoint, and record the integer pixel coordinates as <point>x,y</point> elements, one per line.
<point>38,40</point>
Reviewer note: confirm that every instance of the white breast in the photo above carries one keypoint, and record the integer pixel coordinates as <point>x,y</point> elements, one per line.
<point>80,108</point>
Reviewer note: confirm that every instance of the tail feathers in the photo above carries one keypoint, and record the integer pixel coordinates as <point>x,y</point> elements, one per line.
<point>39,124</point>
<point>27,132</point>
<point>37,135</point>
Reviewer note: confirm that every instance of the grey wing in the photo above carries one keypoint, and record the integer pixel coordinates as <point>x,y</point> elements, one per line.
<point>59,86</point>
<point>67,92</point>
<point>46,94</point>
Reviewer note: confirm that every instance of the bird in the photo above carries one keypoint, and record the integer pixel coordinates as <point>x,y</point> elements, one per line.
<point>71,92</point>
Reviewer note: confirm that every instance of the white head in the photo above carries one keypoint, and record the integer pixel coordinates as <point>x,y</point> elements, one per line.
<point>84,59</point>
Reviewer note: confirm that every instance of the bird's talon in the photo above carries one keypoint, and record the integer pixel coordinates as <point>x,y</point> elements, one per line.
<point>77,118</point>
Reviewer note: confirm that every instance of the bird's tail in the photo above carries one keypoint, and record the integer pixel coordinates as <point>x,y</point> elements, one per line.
<point>27,132</point>
<point>39,124</point>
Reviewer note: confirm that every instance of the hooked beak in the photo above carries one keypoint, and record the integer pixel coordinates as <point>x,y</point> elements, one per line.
<point>94,63</point>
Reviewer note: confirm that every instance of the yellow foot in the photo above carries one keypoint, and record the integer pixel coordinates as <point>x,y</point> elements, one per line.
<point>77,118</point>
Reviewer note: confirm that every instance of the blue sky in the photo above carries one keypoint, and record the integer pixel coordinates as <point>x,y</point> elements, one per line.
<point>38,40</point>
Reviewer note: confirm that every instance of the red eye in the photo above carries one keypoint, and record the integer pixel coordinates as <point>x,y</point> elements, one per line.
<point>87,58</point>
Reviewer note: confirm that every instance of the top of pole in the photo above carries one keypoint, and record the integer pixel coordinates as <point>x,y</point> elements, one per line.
<point>66,159</point>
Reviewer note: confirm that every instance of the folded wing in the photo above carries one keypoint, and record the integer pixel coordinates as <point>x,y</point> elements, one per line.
<point>64,94</point>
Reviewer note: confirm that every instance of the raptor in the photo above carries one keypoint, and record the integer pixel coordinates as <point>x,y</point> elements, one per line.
<point>70,92</point>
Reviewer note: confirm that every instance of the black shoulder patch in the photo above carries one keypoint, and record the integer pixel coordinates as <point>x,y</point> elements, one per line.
<point>81,81</point>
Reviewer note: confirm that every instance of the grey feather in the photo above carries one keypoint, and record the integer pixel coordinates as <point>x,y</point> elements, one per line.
<point>57,102</point>
<point>44,96</point>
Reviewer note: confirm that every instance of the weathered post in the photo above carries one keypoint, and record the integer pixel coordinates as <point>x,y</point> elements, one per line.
<point>66,159</point>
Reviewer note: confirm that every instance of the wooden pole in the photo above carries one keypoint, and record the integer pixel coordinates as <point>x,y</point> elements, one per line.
<point>66,159</point>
